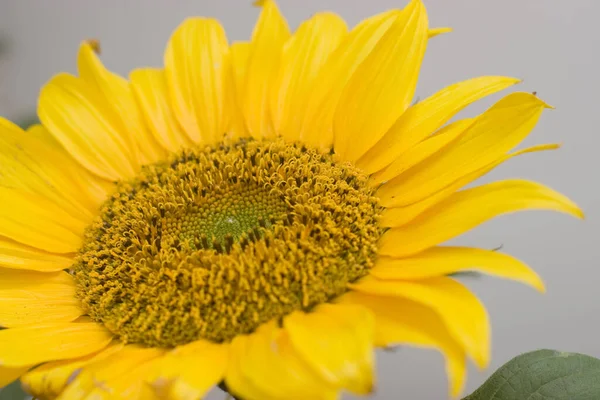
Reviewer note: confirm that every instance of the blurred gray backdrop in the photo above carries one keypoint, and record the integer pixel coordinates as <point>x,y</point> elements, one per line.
<point>553,45</point>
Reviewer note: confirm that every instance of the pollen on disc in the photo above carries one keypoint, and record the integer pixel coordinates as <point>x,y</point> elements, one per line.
<point>219,240</point>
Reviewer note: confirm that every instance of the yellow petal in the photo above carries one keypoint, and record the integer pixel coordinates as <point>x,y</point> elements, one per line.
<point>433,32</point>
<point>46,342</point>
<point>119,376</point>
<point>462,312</point>
<point>77,184</point>
<point>238,382</point>
<point>383,86</point>
<point>188,372</point>
<point>441,261</point>
<point>336,340</point>
<point>465,210</point>
<point>425,117</point>
<point>270,363</point>
<point>150,88</point>
<point>394,217</point>
<point>37,222</point>
<point>77,117</point>
<point>28,297</point>
<point>302,57</point>
<point>19,256</point>
<point>198,70</point>
<point>317,128</point>
<point>240,54</point>
<point>27,164</point>
<point>9,375</point>
<point>399,321</point>
<point>270,33</point>
<point>423,150</point>
<point>117,97</point>
<point>494,133</point>
<point>50,379</point>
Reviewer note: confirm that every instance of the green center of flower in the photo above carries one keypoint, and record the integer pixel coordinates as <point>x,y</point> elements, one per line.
<point>218,241</point>
<point>223,218</point>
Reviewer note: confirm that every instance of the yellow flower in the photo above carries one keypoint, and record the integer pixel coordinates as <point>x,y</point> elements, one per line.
<point>262,214</point>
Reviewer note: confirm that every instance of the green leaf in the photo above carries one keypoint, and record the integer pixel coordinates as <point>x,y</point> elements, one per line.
<point>13,392</point>
<point>543,374</point>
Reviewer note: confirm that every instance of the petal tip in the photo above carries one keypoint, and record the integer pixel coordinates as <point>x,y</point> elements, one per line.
<point>543,103</point>
<point>576,211</point>
<point>416,6</point>
<point>482,361</point>
<point>433,32</point>
<point>540,287</point>
<point>94,44</point>
<point>455,389</point>
<point>366,388</point>
<point>536,282</point>
<point>372,388</point>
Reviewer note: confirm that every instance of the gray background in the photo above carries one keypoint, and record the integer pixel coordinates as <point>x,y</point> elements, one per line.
<point>551,44</point>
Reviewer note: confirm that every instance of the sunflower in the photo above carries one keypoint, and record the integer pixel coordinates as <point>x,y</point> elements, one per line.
<point>260,215</point>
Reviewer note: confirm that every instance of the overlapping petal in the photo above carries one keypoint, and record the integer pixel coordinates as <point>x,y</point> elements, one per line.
<point>464,210</point>
<point>399,321</point>
<point>30,298</point>
<point>383,85</point>
<point>463,314</point>
<point>35,344</point>
<point>199,85</point>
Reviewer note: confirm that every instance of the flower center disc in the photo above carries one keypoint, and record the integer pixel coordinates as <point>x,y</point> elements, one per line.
<point>220,240</point>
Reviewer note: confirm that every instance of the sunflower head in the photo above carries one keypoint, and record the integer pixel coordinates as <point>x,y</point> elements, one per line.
<point>261,229</point>
<point>261,215</point>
